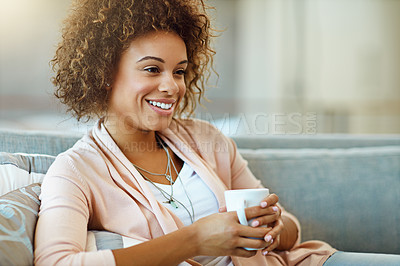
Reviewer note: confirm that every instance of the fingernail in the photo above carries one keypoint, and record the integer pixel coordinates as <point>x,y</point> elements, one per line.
<point>265,253</point>
<point>268,238</point>
<point>263,204</point>
<point>255,223</point>
<point>275,209</point>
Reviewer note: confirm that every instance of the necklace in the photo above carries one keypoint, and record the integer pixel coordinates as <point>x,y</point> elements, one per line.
<point>173,201</point>
<point>168,175</point>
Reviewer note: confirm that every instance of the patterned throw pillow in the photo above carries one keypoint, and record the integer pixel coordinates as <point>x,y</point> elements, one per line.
<point>20,169</point>
<point>20,178</point>
<point>18,216</point>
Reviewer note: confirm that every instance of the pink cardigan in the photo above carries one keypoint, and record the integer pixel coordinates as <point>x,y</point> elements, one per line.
<point>94,186</point>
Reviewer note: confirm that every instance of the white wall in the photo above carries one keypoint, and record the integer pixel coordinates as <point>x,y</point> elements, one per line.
<point>339,59</point>
<point>29,31</point>
<point>353,69</point>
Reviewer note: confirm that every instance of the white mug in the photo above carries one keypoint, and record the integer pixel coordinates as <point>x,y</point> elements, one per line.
<point>238,200</point>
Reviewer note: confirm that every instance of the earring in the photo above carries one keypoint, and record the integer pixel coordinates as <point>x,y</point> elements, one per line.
<point>108,84</point>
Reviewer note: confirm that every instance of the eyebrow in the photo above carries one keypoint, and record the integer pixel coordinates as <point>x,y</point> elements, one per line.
<point>159,59</point>
<point>183,62</point>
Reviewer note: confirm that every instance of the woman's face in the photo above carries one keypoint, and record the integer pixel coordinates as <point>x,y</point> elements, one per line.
<point>148,83</point>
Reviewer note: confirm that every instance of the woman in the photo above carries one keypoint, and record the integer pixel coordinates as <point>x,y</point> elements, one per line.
<point>142,171</point>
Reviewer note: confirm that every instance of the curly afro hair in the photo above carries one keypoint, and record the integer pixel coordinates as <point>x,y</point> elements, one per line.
<point>97,32</point>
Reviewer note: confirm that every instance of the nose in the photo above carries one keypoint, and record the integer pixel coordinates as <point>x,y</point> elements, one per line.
<point>169,85</point>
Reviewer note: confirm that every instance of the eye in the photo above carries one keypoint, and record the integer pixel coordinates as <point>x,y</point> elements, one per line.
<point>180,72</point>
<point>152,69</point>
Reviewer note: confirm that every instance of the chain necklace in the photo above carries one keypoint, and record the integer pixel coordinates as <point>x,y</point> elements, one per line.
<point>168,175</point>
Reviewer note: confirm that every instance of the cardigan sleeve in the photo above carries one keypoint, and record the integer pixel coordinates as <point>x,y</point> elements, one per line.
<point>61,231</point>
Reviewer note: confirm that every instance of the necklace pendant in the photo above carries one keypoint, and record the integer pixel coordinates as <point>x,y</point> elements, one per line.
<point>173,204</point>
<point>168,177</point>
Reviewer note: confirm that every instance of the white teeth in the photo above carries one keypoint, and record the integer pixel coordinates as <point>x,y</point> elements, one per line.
<point>164,106</point>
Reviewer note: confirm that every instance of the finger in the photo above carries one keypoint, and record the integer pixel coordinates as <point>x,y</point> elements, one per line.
<point>241,252</point>
<point>272,215</point>
<point>257,211</point>
<point>252,243</point>
<point>272,199</point>
<point>275,231</point>
<point>272,245</point>
<point>257,232</point>
<point>252,211</point>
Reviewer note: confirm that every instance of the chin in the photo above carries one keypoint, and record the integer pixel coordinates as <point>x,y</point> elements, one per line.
<point>159,125</point>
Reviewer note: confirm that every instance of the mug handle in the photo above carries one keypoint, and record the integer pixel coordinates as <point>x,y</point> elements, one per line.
<point>240,212</point>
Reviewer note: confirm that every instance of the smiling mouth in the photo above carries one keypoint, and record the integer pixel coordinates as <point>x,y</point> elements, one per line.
<point>163,106</point>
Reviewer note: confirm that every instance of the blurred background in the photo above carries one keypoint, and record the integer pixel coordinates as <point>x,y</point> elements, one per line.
<point>285,66</point>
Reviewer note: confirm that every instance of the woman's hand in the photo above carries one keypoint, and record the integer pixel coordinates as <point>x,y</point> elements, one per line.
<point>221,234</point>
<point>272,219</point>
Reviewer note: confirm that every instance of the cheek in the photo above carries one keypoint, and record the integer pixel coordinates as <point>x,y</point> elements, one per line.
<point>140,89</point>
<point>182,89</point>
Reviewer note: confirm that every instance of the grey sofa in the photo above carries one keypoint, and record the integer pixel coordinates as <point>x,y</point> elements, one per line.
<point>344,189</point>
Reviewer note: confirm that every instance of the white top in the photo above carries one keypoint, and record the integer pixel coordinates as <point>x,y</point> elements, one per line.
<point>187,186</point>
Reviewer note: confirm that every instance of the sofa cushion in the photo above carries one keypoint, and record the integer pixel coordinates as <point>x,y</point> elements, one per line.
<point>19,169</point>
<point>342,196</point>
<point>40,142</point>
<point>99,240</point>
<point>18,216</point>
<point>319,141</point>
